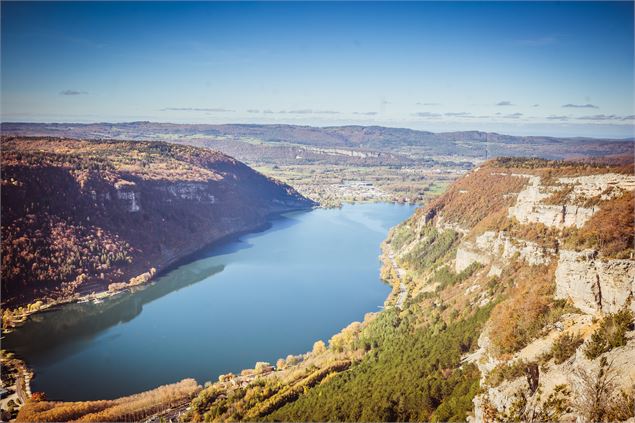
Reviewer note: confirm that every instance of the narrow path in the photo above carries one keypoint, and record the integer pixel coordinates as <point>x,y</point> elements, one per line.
<point>403,291</point>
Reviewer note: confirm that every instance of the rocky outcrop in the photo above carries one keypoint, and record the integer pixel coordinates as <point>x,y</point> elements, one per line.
<point>500,399</point>
<point>345,152</point>
<point>189,191</point>
<point>496,248</point>
<point>126,191</point>
<point>442,224</point>
<point>607,185</point>
<point>131,198</point>
<point>593,284</point>
<point>570,372</point>
<point>530,208</point>
<point>467,254</point>
<point>530,204</point>
<point>484,360</point>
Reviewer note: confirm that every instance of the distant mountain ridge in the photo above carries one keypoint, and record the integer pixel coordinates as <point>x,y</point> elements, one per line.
<point>247,141</point>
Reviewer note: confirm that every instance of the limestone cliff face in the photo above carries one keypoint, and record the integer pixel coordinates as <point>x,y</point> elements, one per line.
<point>513,220</point>
<point>129,198</point>
<point>530,204</point>
<point>569,373</point>
<point>530,208</point>
<point>188,191</point>
<point>497,248</point>
<point>590,282</point>
<point>594,284</point>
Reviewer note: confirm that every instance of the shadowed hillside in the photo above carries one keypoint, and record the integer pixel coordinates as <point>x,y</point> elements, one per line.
<point>81,217</point>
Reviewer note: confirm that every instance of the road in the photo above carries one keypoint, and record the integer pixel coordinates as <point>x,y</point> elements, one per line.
<point>401,274</point>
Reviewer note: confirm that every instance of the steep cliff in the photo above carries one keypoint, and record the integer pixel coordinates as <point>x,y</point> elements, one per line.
<point>82,216</point>
<point>510,291</point>
<point>554,245</point>
<point>498,313</point>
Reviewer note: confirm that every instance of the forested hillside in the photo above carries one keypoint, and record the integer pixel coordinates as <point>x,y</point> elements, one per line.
<point>429,359</point>
<point>512,301</point>
<point>87,216</point>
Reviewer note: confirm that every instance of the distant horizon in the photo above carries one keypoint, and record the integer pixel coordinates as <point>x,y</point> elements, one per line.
<point>522,68</point>
<point>627,138</point>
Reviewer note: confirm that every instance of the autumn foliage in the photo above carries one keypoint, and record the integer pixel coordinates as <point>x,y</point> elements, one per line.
<point>519,318</point>
<point>78,216</point>
<point>126,409</point>
<point>46,249</point>
<point>475,196</point>
<point>611,229</point>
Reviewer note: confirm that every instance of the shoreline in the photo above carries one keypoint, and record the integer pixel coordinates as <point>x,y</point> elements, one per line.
<point>161,270</point>
<point>390,274</point>
<point>255,229</point>
<point>26,374</point>
<point>17,370</point>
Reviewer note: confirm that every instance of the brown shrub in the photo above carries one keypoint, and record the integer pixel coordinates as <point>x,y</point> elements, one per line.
<point>470,199</point>
<point>131,408</point>
<point>529,307</point>
<point>611,230</point>
<point>565,346</point>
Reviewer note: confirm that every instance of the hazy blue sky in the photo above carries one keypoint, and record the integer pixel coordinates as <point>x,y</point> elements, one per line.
<point>524,68</point>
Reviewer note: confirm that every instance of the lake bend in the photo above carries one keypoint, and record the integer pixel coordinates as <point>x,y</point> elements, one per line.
<point>257,297</point>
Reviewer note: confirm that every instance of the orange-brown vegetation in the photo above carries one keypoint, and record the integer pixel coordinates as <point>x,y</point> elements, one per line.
<point>611,230</point>
<point>479,202</point>
<point>150,161</point>
<point>126,409</point>
<point>558,168</point>
<point>560,196</point>
<point>48,250</point>
<point>528,308</point>
<point>472,198</point>
<point>536,232</point>
<point>78,216</point>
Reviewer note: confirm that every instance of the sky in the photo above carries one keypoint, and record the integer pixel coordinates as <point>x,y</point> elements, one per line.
<point>535,68</point>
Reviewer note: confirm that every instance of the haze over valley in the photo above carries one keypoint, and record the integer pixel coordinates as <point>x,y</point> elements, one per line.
<point>304,211</point>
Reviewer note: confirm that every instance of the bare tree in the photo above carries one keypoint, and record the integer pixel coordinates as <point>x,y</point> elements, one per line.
<point>596,390</point>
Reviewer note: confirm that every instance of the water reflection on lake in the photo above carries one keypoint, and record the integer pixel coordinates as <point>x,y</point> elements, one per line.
<point>259,297</point>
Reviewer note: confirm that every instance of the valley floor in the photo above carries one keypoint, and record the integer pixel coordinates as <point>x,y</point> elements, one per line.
<point>332,185</point>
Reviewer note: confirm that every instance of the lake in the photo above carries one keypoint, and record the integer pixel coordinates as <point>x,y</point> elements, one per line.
<point>257,297</point>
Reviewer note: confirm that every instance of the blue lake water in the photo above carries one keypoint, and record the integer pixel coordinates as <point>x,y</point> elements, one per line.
<point>256,298</point>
